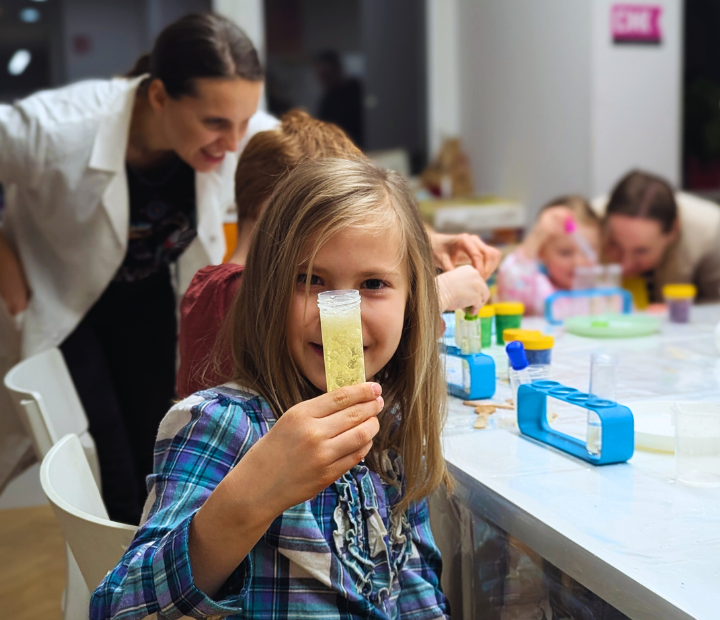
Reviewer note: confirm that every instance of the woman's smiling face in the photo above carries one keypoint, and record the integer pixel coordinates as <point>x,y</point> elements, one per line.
<point>354,258</point>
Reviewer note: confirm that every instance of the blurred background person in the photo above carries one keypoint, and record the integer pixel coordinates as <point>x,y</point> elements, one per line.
<point>662,236</point>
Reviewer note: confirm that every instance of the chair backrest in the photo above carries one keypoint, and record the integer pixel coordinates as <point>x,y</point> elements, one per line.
<point>38,381</point>
<point>96,542</point>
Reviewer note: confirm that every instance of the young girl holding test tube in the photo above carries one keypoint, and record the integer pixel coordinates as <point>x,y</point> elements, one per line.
<point>260,503</point>
<point>565,236</point>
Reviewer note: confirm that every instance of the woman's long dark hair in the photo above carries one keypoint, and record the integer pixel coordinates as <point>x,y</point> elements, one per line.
<point>201,45</point>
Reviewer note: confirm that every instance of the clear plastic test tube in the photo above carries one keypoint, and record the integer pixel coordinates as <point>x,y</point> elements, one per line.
<point>341,325</point>
<point>603,384</point>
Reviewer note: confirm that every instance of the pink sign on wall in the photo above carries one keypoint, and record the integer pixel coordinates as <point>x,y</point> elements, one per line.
<point>636,23</point>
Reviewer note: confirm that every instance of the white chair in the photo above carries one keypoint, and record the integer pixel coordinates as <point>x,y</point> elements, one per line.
<point>47,402</point>
<point>96,542</point>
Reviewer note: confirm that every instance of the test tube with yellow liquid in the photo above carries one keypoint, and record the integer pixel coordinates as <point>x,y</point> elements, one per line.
<point>342,338</point>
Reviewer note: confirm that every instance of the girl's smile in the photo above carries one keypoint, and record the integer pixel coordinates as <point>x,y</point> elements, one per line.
<point>356,258</point>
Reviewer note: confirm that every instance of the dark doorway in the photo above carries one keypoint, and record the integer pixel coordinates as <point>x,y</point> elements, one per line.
<point>358,63</point>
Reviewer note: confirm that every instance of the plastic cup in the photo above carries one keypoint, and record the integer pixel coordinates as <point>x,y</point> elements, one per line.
<point>486,315</point>
<point>509,335</point>
<point>697,443</point>
<point>538,349</point>
<point>508,315</point>
<point>679,298</point>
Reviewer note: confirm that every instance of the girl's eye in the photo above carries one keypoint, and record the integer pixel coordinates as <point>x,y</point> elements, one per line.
<point>374,284</point>
<point>314,280</point>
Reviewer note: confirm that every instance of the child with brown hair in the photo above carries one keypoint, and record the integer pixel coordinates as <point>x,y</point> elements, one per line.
<point>270,497</point>
<point>546,260</point>
<point>266,158</point>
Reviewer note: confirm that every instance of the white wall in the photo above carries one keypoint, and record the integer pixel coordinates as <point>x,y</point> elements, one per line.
<point>443,83</point>
<point>636,100</point>
<point>544,102</point>
<point>117,34</point>
<point>525,87</point>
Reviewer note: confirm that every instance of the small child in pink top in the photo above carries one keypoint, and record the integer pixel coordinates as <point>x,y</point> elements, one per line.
<point>545,261</point>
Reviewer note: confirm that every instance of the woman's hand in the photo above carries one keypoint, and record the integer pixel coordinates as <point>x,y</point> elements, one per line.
<point>14,289</point>
<point>462,288</point>
<point>308,448</point>
<point>449,250</point>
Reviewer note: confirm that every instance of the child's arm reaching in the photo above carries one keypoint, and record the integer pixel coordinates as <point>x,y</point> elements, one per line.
<point>217,489</point>
<point>461,288</point>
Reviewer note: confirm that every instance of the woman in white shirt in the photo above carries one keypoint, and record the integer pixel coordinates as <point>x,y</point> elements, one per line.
<point>108,183</point>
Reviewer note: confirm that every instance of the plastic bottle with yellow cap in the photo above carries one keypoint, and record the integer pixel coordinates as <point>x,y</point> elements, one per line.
<point>679,298</point>
<point>508,315</point>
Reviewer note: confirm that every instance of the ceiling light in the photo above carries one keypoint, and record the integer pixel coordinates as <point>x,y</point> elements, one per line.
<point>30,16</point>
<point>19,62</point>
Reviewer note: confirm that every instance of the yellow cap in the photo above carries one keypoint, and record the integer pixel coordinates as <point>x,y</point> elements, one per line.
<point>486,312</point>
<point>509,307</point>
<point>541,343</point>
<point>679,291</point>
<point>515,333</point>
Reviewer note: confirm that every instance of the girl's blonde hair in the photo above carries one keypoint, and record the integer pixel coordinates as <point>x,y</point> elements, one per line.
<point>579,206</point>
<point>309,205</point>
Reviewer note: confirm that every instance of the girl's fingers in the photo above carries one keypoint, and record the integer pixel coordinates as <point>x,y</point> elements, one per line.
<point>353,440</point>
<point>347,462</point>
<point>351,417</point>
<point>340,399</point>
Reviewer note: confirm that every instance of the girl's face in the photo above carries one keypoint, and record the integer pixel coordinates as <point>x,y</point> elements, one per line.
<point>202,127</point>
<point>351,259</point>
<point>561,255</point>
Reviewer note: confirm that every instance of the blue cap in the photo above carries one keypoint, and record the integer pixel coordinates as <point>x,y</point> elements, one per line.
<point>516,353</point>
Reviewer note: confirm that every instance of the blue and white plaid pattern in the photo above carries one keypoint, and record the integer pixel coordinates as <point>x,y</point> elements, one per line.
<point>338,556</point>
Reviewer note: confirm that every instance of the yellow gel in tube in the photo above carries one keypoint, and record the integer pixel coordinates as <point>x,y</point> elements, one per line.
<point>342,338</point>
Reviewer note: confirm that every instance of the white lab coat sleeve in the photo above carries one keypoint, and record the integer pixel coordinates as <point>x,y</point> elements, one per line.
<point>22,147</point>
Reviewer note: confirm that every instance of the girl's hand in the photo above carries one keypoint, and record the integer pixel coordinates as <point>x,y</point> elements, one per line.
<point>310,446</point>
<point>449,250</point>
<point>313,444</point>
<point>551,223</point>
<point>462,288</point>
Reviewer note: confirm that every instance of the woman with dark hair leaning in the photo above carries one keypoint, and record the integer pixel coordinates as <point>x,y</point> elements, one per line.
<point>109,182</point>
<point>662,236</point>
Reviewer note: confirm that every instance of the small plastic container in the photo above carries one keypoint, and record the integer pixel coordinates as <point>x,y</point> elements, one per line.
<point>697,443</point>
<point>603,387</point>
<point>341,326</point>
<point>509,335</point>
<point>508,314</point>
<point>468,334</point>
<point>486,315</point>
<point>538,349</point>
<point>679,298</point>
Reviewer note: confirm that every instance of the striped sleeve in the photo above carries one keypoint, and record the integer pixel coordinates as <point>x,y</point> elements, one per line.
<point>420,595</point>
<point>198,443</point>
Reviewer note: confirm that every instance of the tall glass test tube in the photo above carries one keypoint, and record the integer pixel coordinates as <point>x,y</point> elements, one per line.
<point>342,338</point>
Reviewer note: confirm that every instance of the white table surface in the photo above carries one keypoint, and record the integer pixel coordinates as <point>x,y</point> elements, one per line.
<point>647,545</point>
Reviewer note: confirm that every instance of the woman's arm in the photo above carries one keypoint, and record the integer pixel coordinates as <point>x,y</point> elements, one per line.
<point>14,289</point>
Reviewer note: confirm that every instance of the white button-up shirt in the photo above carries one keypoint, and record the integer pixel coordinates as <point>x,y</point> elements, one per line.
<point>62,164</point>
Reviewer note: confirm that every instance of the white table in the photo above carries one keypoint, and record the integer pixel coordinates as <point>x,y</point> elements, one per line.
<point>629,533</point>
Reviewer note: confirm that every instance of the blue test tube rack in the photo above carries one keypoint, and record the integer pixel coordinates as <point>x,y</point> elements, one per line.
<point>469,376</point>
<point>617,423</point>
<point>586,294</point>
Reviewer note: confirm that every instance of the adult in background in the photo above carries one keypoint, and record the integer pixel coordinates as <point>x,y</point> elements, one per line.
<point>662,236</point>
<point>109,183</point>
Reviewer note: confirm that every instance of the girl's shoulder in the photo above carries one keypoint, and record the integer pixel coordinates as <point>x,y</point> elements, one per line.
<point>227,416</point>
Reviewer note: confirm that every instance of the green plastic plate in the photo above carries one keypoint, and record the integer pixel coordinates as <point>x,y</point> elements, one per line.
<point>613,325</point>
